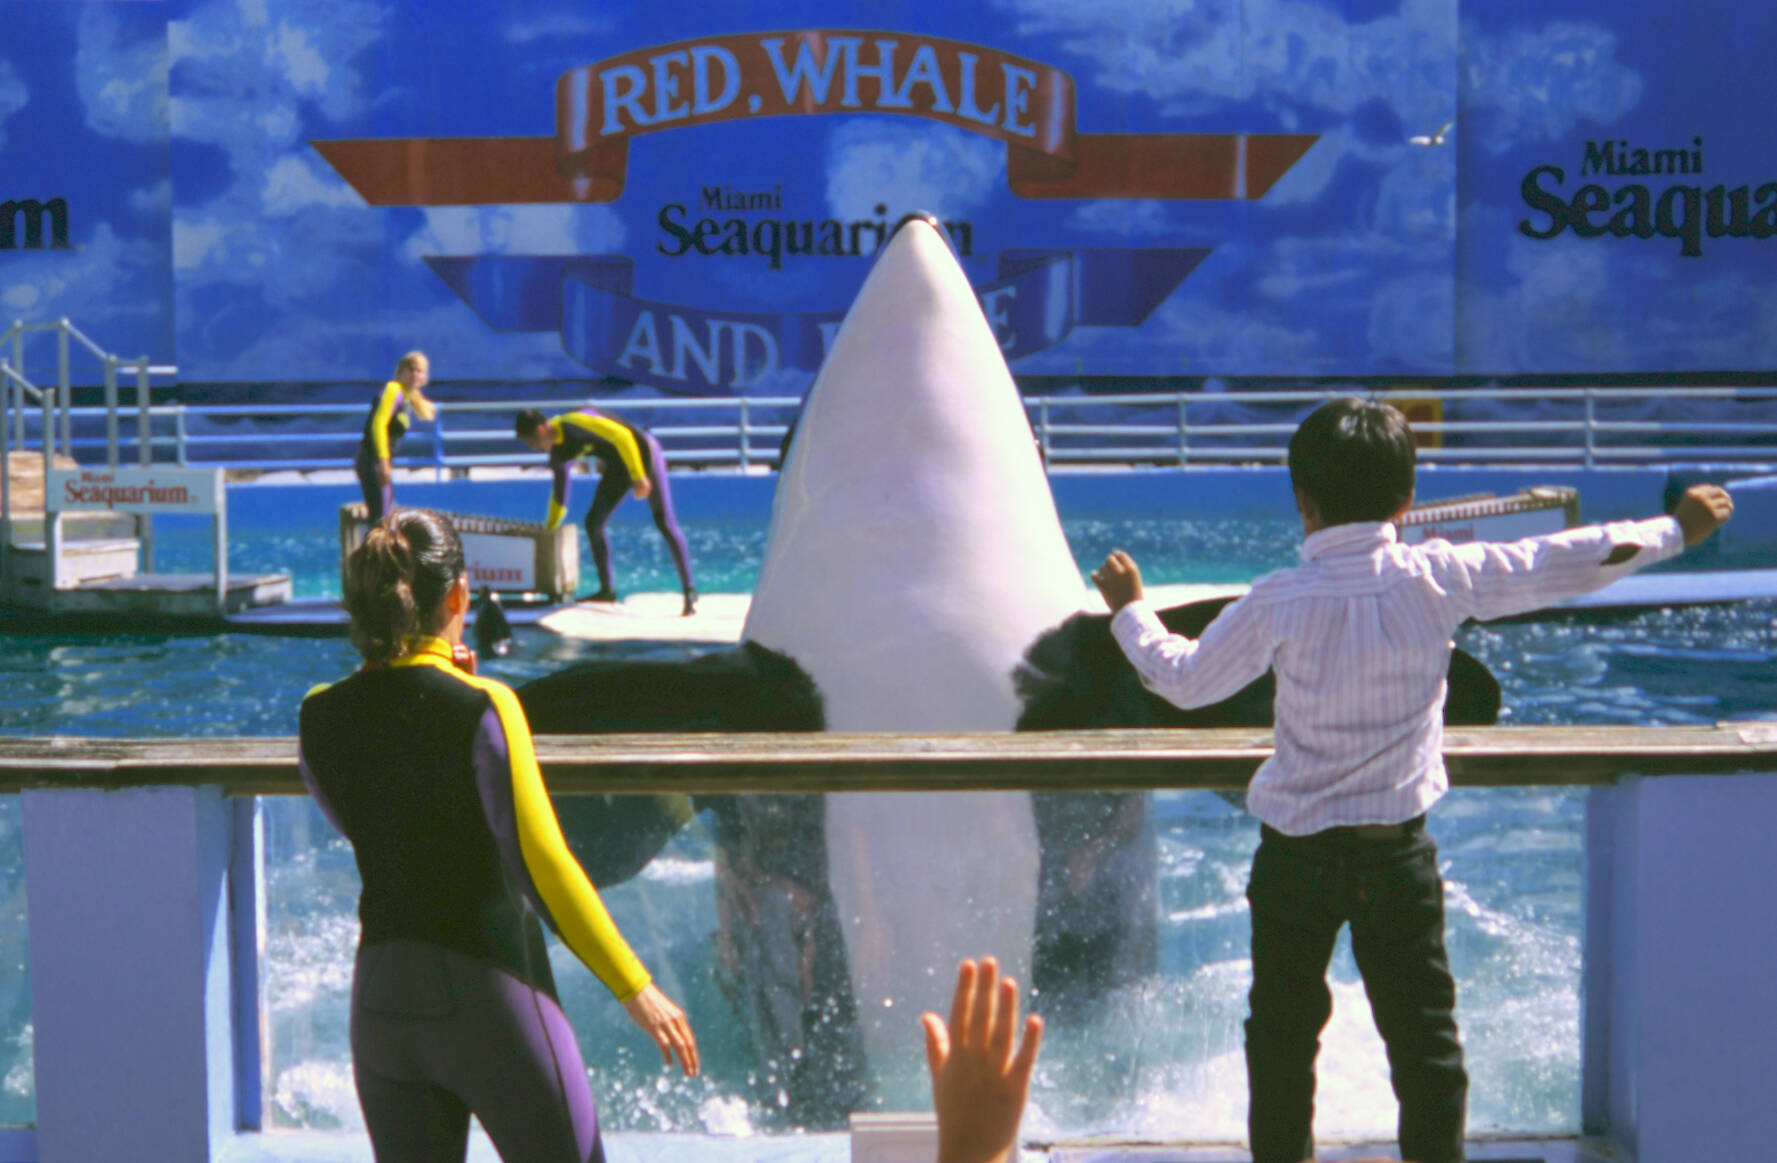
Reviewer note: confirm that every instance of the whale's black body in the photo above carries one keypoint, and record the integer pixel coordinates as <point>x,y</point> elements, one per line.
<point>786,974</point>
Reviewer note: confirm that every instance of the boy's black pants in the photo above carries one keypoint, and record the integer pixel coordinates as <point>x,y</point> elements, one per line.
<point>1387,887</point>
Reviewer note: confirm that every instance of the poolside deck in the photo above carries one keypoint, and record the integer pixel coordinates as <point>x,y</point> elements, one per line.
<point>836,1148</point>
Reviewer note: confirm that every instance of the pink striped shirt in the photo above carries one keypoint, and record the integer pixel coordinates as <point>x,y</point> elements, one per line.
<point>1359,637</point>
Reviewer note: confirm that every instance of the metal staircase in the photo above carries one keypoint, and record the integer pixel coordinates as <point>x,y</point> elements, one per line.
<point>95,546</point>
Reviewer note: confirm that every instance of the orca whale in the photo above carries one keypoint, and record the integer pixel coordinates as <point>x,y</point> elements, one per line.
<point>915,579</point>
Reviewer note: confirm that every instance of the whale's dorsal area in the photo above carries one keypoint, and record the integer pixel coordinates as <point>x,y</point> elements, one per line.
<point>914,551</point>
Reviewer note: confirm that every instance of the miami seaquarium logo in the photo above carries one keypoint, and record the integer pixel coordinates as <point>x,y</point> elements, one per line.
<point>22,222</point>
<point>1036,299</point>
<point>1637,207</point>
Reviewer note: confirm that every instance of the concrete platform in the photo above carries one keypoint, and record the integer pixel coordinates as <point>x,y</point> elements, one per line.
<point>326,618</point>
<point>305,1147</point>
<point>310,1147</point>
<point>653,617</point>
<point>1478,1151</point>
<point>155,601</point>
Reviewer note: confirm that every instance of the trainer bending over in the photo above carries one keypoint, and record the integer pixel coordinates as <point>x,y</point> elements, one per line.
<point>629,458</point>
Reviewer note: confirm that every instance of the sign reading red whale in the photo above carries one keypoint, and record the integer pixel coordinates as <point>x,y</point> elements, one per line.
<point>600,107</point>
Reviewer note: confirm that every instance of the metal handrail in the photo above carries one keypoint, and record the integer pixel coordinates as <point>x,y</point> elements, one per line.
<point>12,426</point>
<point>1183,431</point>
<point>1176,441</point>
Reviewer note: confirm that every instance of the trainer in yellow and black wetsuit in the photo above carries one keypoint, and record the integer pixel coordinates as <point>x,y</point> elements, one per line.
<point>628,457</point>
<point>384,428</point>
<point>429,771</point>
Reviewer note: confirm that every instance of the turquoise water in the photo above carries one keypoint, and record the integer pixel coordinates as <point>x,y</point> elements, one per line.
<point>1159,1056</point>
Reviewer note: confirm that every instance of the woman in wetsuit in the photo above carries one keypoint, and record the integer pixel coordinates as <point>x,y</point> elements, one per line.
<point>629,458</point>
<point>428,770</point>
<point>383,430</point>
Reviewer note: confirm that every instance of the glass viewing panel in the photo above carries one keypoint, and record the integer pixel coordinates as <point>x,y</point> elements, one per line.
<point>1137,956</point>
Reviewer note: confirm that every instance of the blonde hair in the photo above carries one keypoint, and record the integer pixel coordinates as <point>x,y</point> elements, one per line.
<point>410,361</point>
<point>396,581</point>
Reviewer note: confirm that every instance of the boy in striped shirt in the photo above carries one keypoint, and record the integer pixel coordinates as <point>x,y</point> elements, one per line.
<point>1359,638</point>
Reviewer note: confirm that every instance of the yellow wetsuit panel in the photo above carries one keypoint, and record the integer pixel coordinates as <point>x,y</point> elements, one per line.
<point>393,397</point>
<point>618,435</point>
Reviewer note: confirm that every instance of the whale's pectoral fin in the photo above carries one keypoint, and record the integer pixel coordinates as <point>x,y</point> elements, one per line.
<point>745,689</point>
<point>1472,693</point>
<point>1075,676</point>
<point>614,837</point>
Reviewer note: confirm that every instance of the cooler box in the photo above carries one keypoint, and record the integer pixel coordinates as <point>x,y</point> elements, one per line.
<point>520,558</point>
<point>1531,513</point>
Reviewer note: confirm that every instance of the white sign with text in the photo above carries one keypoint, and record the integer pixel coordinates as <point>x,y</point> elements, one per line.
<point>135,490</point>
<point>505,563</point>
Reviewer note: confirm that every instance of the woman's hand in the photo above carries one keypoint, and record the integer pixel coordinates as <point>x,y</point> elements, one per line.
<point>666,1023</point>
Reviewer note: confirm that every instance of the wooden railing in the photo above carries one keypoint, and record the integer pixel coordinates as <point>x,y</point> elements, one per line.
<point>821,762</point>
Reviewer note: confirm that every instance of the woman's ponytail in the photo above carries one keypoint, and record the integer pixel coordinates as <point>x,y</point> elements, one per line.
<point>396,581</point>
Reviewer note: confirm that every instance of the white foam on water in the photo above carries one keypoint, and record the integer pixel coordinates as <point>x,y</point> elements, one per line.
<point>317,1093</point>
<point>668,870</point>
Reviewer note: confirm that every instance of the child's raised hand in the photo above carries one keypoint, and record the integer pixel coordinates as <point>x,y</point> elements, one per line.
<point>1702,510</point>
<point>1119,580</point>
<point>979,1078</point>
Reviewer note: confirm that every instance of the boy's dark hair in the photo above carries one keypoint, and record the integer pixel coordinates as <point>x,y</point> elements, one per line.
<point>528,422</point>
<point>1354,459</point>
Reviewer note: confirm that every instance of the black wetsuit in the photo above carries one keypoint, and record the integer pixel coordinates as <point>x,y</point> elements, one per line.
<point>383,430</point>
<point>431,775</point>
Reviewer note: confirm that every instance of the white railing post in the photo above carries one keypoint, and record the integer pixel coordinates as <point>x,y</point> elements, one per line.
<point>65,388</point>
<point>49,434</point>
<point>1591,431</point>
<point>1675,1063</point>
<point>18,367</point>
<point>1184,448</point>
<point>745,447</point>
<point>130,951</point>
<point>145,450</point>
<point>111,411</point>
<point>1043,428</point>
<point>179,434</point>
<point>437,445</point>
<point>145,456</point>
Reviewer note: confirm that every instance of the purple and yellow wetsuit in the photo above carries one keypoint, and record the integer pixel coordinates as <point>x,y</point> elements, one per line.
<point>430,773</point>
<point>382,431</point>
<point>625,454</point>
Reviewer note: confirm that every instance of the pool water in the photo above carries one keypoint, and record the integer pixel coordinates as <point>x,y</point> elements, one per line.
<point>1158,1056</point>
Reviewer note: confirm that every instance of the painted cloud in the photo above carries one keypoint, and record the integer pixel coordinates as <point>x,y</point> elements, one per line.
<point>1535,85</point>
<point>14,94</point>
<point>908,166</point>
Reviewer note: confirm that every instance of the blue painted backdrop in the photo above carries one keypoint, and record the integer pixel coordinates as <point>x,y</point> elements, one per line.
<point>206,224</point>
